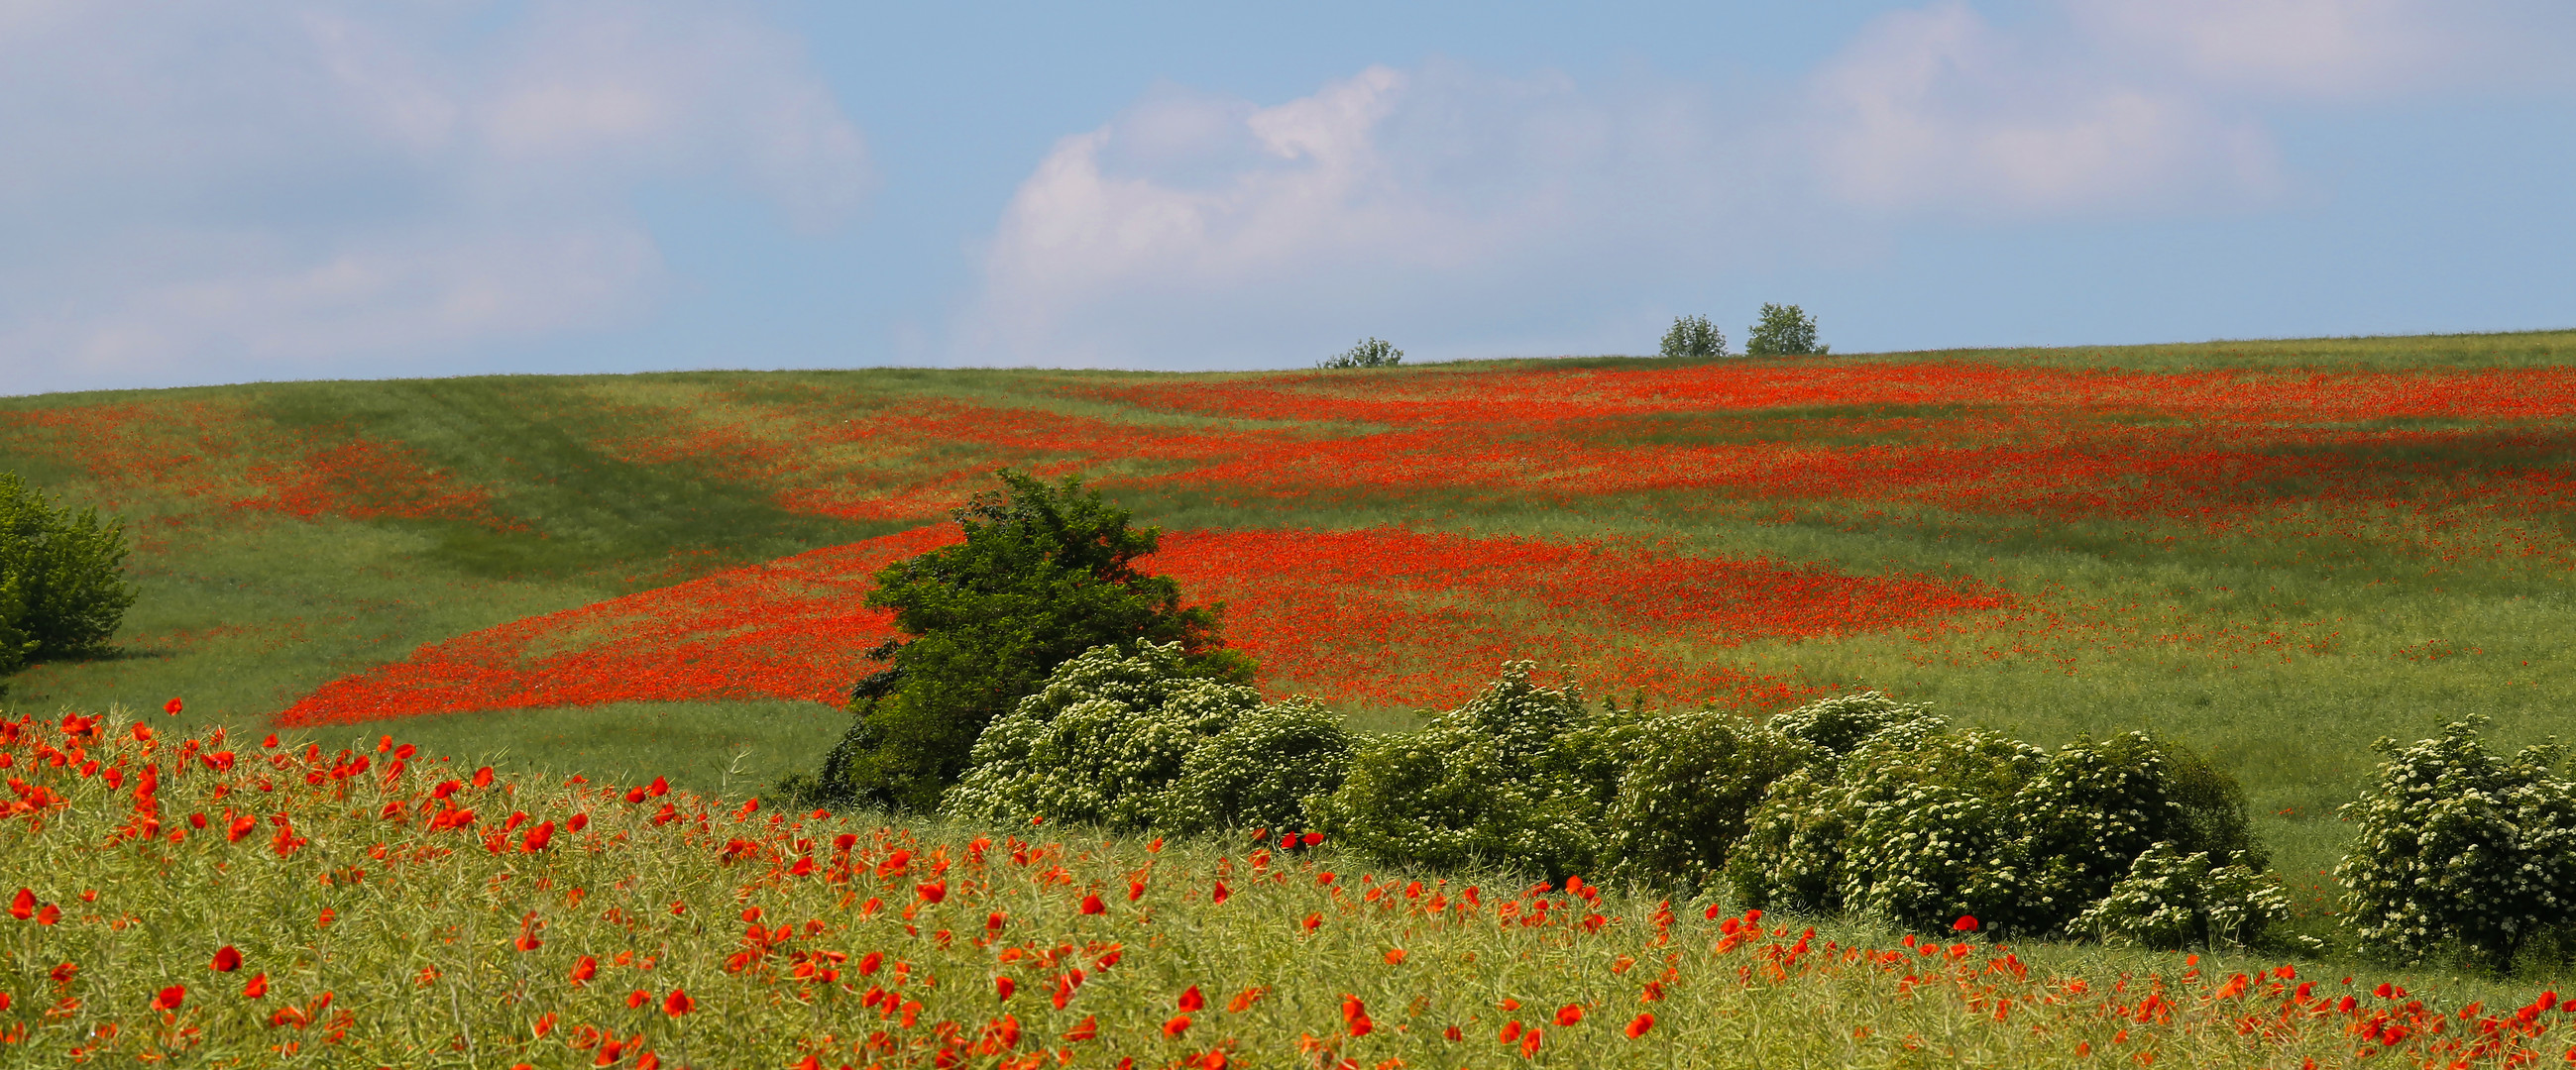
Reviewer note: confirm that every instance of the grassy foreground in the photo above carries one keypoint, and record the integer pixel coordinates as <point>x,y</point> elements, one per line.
<point>229,902</point>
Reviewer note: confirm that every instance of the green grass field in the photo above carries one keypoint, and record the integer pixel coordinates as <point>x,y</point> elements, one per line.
<point>2276,551</point>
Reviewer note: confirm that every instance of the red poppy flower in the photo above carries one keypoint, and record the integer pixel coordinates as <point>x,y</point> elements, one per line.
<point>1637,1026</point>
<point>538,838</point>
<point>678,1003</point>
<point>638,998</point>
<point>1314,839</point>
<point>1176,1025</point>
<point>172,707</point>
<point>1091,904</point>
<point>1569,1014</point>
<point>932,891</point>
<point>23,905</point>
<point>483,777</point>
<point>1083,1030</point>
<point>227,959</point>
<point>257,987</point>
<point>584,968</point>
<point>1221,893</point>
<point>1191,1000</point>
<point>1967,923</point>
<point>1004,986</point>
<point>49,914</point>
<point>1135,890</point>
<point>170,998</point>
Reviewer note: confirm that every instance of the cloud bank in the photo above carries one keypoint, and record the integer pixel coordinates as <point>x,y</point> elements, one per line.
<point>282,189</point>
<point>1195,230</point>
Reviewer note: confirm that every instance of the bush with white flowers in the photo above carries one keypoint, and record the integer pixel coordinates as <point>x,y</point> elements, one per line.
<point>2459,844</point>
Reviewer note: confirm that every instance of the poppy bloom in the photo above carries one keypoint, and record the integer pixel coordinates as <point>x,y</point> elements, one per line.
<point>172,707</point>
<point>1004,986</point>
<point>49,915</point>
<point>1091,904</point>
<point>870,962</point>
<point>1569,1014</point>
<point>23,905</point>
<point>584,968</point>
<point>1314,839</point>
<point>678,1003</point>
<point>1135,890</point>
<point>1314,921</point>
<point>1221,893</point>
<point>257,987</point>
<point>1086,1029</point>
<point>1967,923</point>
<point>1176,1025</point>
<point>579,821</point>
<point>1511,1032</point>
<point>1529,1043</point>
<point>1191,1000</point>
<point>483,777</point>
<point>638,998</point>
<point>170,998</point>
<point>538,838</point>
<point>932,891</point>
<point>227,959</point>
<point>1637,1026</point>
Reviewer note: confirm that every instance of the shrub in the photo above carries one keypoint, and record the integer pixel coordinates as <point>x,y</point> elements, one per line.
<point>2170,900</point>
<point>1269,769</point>
<point>1694,336</point>
<point>1369,353</point>
<point>1046,573</point>
<point>1784,330</point>
<point>62,580</point>
<point>1840,723</point>
<point>1922,826</point>
<point>1103,742</point>
<point>1688,783</point>
<point>2457,844</point>
<point>1507,779</point>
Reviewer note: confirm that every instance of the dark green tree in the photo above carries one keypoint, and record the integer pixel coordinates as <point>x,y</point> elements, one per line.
<point>62,580</point>
<point>1785,330</point>
<point>1046,573</point>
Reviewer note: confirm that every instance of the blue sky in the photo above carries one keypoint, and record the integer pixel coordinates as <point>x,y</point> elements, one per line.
<point>197,192</point>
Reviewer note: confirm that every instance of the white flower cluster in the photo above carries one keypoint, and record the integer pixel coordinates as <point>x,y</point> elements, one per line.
<point>1138,741</point>
<point>2171,900</point>
<point>2457,844</point>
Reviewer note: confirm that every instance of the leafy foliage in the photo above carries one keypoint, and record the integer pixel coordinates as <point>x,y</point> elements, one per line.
<point>62,581</point>
<point>1369,353</point>
<point>1694,336</point>
<point>1507,779</point>
<point>2459,844</point>
<point>1840,723</point>
<point>1923,825</point>
<point>2171,900</point>
<point>1784,330</point>
<point>1046,572</point>
<point>1690,782</point>
<point>1146,740</point>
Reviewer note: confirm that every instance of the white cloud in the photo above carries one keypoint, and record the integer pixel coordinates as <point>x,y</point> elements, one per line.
<point>313,188</point>
<point>1936,108</point>
<point>2335,49</point>
<point>1208,230</point>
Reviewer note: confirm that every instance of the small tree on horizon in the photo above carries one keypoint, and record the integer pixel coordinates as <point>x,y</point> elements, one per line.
<point>1785,330</point>
<point>62,579</point>
<point>1371,352</point>
<point>1694,336</point>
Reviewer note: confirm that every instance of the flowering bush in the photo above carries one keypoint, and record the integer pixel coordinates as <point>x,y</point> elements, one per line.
<point>1690,781</point>
<point>1508,779</point>
<point>1368,353</point>
<point>2458,844</point>
<point>2171,900</point>
<point>1923,825</point>
<point>1266,770</point>
<point>62,582</point>
<point>1840,723</point>
<point>1104,741</point>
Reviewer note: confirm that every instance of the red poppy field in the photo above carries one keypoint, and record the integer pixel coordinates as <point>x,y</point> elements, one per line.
<point>2271,552</point>
<point>229,902</point>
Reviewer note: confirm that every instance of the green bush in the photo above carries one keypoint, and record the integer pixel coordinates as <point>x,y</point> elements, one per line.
<point>2170,900</point>
<point>1103,742</point>
<point>1694,336</point>
<point>1513,778</point>
<point>62,579</point>
<point>1922,826</point>
<point>1840,723</point>
<point>1269,769</point>
<point>1369,353</point>
<point>1784,330</point>
<point>1688,782</point>
<point>1046,573</point>
<point>2460,845</point>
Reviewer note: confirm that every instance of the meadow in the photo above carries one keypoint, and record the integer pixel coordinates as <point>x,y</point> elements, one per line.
<point>2272,551</point>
